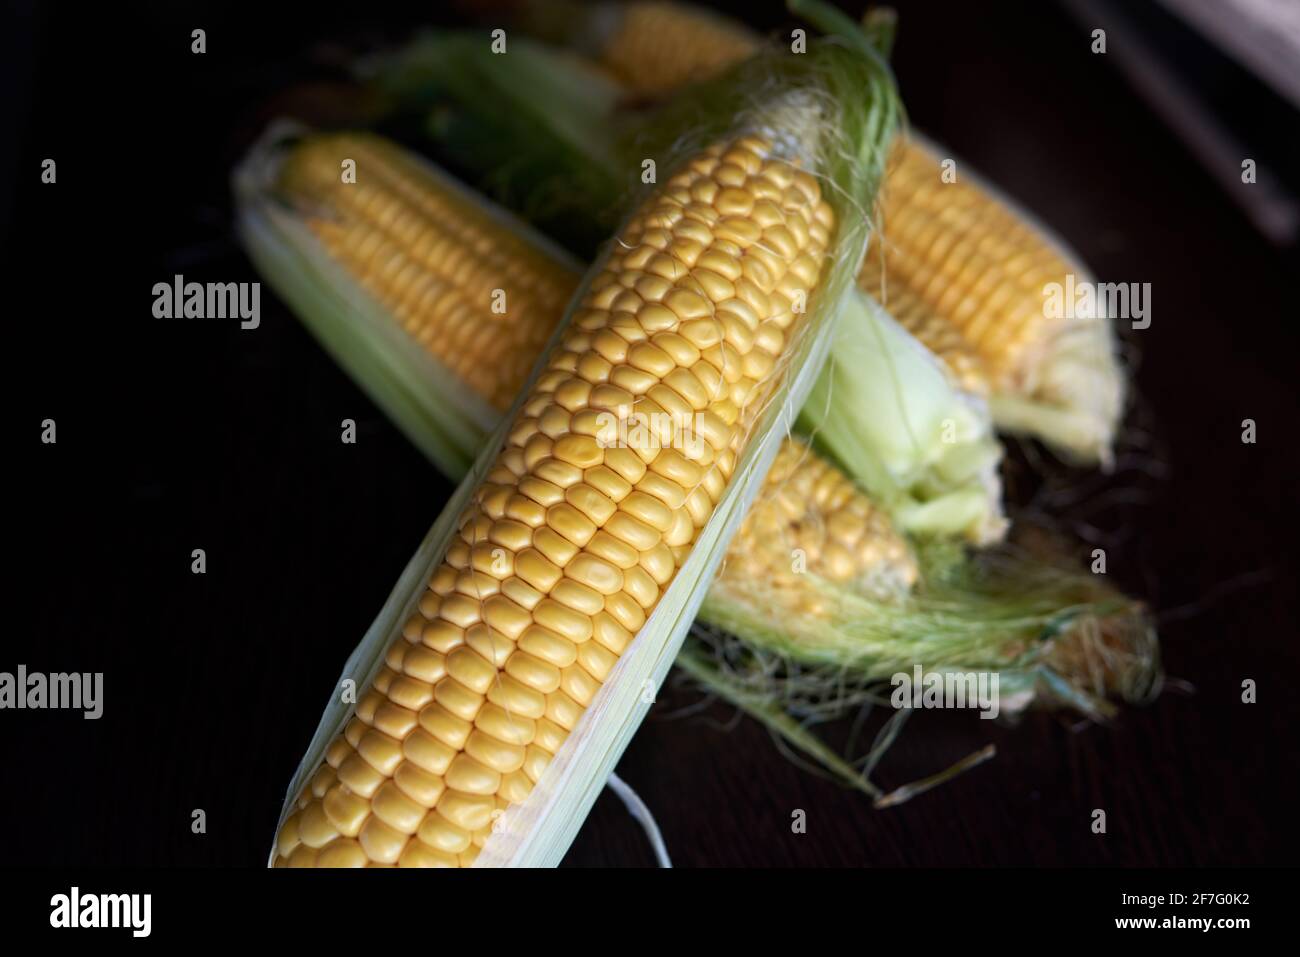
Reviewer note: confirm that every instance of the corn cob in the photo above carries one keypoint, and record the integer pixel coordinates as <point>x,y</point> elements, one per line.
<point>811,518</point>
<point>436,261</point>
<point>653,46</point>
<point>958,254</point>
<point>567,545</point>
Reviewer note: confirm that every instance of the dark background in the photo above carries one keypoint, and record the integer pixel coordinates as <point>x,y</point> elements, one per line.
<point>181,435</point>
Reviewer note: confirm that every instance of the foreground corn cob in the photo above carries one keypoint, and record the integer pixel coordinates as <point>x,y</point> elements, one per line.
<point>567,545</point>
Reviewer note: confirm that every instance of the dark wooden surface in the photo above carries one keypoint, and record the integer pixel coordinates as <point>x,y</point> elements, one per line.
<point>174,436</point>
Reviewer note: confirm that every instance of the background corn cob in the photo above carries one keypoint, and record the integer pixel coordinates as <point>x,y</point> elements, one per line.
<point>568,544</point>
<point>654,47</point>
<point>811,519</point>
<point>957,256</point>
<point>436,261</point>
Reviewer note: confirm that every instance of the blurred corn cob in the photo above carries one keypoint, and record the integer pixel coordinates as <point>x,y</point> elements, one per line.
<point>953,255</point>
<point>963,269</point>
<point>650,47</point>
<point>434,259</point>
<point>811,518</point>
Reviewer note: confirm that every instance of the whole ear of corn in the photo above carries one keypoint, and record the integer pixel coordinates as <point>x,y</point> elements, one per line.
<point>496,702</point>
